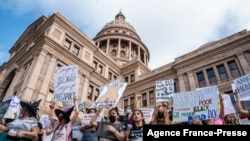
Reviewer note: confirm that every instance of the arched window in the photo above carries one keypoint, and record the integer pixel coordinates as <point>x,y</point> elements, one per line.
<point>122,53</point>
<point>113,52</point>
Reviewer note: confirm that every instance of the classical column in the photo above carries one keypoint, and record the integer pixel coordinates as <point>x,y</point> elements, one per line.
<point>14,82</point>
<point>107,47</point>
<point>33,76</point>
<point>145,60</point>
<point>228,71</point>
<point>106,75</point>
<point>138,55</point>
<point>45,85</point>
<point>216,75</point>
<point>85,88</point>
<point>119,48</point>
<point>191,80</point>
<point>129,51</point>
<point>243,62</point>
<point>206,77</point>
<point>181,83</point>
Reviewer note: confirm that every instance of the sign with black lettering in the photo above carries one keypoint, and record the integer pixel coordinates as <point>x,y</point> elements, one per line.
<point>65,83</point>
<point>4,107</point>
<point>242,84</point>
<point>164,90</point>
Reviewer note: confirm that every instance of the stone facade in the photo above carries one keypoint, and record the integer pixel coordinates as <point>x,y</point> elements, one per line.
<point>116,52</point>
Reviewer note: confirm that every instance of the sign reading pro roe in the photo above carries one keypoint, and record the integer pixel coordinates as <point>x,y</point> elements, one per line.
<point>65,83</point>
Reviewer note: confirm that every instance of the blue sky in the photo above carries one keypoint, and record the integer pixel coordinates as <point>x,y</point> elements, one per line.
<point>169,28</point>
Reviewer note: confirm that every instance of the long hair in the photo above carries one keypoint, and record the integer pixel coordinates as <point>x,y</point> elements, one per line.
<point>143,121</point>
<point>233,122</point>
<point>166,119</point>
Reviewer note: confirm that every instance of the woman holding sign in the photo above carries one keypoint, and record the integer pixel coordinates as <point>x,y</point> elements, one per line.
<point>24,127</point>
<point>62,128</point>
<point>239,107</point>
<point>160,116</point>
<point>109,131</point>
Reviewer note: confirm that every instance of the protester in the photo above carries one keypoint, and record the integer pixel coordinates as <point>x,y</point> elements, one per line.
<point>160,116</point>
<point>89,131</point>
<point>24,127</point>
<point>63,126</point>
<point>239,106</point>
<point>136,133</point>
<point>109,131</point>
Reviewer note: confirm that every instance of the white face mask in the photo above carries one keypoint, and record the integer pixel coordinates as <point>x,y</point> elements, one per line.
<point>128,111</point>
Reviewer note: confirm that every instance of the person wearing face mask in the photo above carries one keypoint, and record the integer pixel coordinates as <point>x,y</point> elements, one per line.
<point>109,131</point>
<point>126,117</point>
<point>62,128</point>
<point>24,127</point>
<point>160,116</point>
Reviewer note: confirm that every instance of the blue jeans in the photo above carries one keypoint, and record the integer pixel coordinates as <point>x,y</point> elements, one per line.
<point>89,136</point>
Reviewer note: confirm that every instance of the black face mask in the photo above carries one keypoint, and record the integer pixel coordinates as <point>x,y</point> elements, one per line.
<point>160,114</point>
<point>112,119</point>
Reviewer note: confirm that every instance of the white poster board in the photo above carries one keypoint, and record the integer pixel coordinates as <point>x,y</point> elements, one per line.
<point>14,107</point>
<point>147,114</point>
<point>228,106</point>
<point>242,84</point>
<point>65,88</point>
<point>110,95</point>
<point>164,90</point>
<point>202,104</point>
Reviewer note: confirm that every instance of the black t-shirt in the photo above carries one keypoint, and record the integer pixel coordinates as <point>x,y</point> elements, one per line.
<point>103,132</point>
<point>135,133</point>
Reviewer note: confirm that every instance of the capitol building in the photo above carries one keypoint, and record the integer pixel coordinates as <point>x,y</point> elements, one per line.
<point>116,52</point>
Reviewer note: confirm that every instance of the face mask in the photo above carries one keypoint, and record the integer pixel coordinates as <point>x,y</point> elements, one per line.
<point>128,111</point>
<point>160,114</point>
<point>112,119</point>
<point>60,118</point>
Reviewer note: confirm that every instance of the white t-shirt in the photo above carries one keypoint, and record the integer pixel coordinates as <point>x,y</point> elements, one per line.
<point>22,125</point>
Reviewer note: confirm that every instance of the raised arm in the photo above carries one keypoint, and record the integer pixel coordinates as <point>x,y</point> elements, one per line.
<point>222,110</point>
<point>238,105</point>
<point>51,111</point>
<point>75,117</point>
<point>93,121</point>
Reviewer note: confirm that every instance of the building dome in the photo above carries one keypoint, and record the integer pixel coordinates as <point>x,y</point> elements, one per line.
<point>119,40</point>
<point>119,25</point>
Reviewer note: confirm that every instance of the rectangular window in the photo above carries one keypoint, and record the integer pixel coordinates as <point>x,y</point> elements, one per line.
<point>90,92</point>
<point>201,79</point>
<point>222,72</point>
<point>76,50</point>
<point>233,69</point>
<point>126,79</point>
<point>67,43</point>
<point>125,103</point>
<point>95,64</point>
<point>115,77</point>
<point>110,76</point>
<point>100,69</point>
<point>132,78</point>
<point>151,98</point>
<point>211,76</point>
<point>96,94</point>
<point>144,99</point>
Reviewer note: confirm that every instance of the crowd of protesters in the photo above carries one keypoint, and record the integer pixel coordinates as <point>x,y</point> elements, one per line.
<point>66,127</point>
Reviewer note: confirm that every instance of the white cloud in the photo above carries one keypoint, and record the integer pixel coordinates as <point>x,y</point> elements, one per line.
<point>169,28</point>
